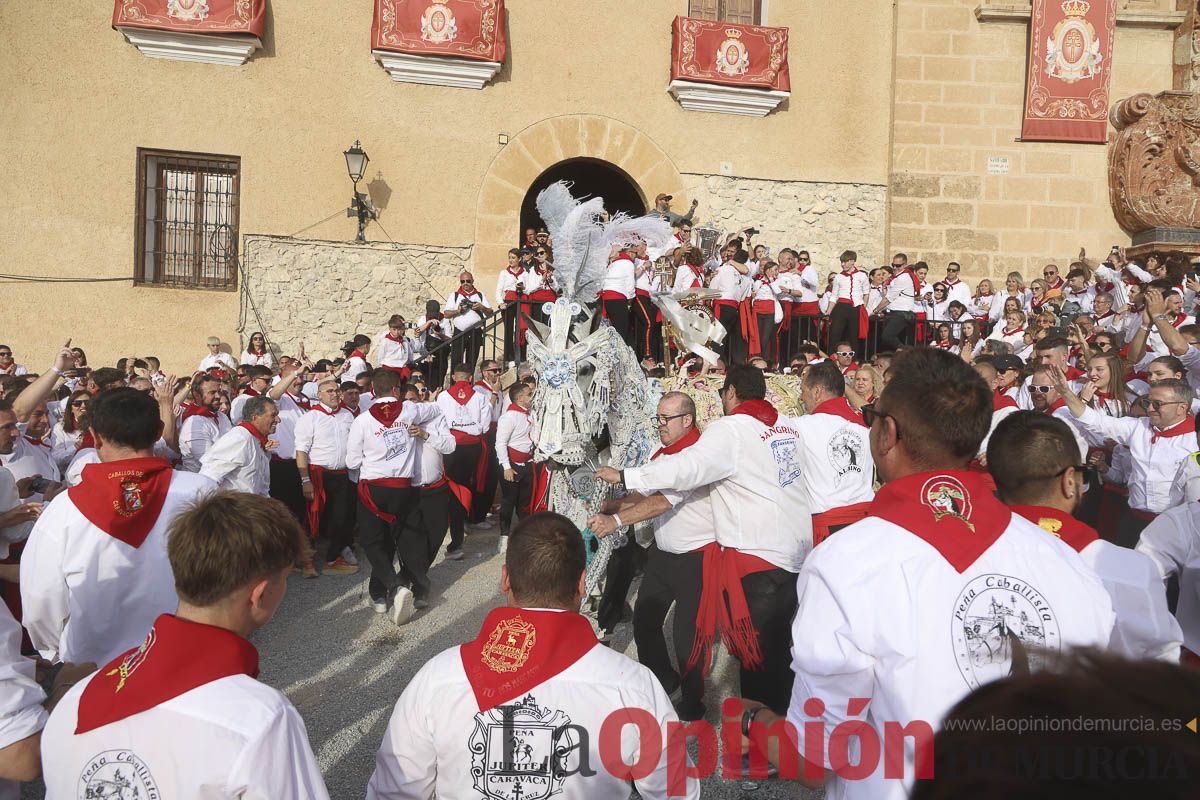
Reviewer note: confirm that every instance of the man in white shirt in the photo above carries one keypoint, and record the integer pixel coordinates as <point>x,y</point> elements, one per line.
<point>181,714</point>
<point>955,581</point>
<point>216,358</point>
<point>839,478</point>
<point>8,365</point>
<point>241,459</point>
<point>1157,442</point>
<point>258,384</point>
<point>956,289</point>
<point>202,422</point>
<point>683,528</point>
<point>425,529</point>
<point>381,448</point>
<point>727,281</point>
<point>466,308</point>
<point>394,349</point>
<point>1172,541</point>
<point>647,319</point>
<point>94,573</point>
<point>751,459</point>
<point>617,290</point>
<point>470,416</point>
<point>503,715</point>
<point>848,315</point>
<point>321,438</point>
<point>1038,476</point>
<point>903,289</point>
<point>514,451</point>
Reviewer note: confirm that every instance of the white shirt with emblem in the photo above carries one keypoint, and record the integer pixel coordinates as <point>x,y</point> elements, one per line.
<point>836,456</point>
<point>90,597</point>
<point>233,737</point>
<point>758,499</point>
<point>437,734</point>
<point>382,452</point>
<point>926,635</point>
<point>473,417</point>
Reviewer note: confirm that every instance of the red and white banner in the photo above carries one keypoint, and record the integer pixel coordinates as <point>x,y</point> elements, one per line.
<point>1070,61</point>
<point>464,28</point>
<point>707,51</point>
<point>192,16</point>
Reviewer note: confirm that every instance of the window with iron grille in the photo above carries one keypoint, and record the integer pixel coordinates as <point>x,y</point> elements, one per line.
<point>739,12</point>
<point>187,219</point>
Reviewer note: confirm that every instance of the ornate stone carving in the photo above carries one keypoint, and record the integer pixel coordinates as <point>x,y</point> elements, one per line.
<point>1154,161</point>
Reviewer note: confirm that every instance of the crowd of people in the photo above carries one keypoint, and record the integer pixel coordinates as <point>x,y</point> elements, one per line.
<point>968,495</point>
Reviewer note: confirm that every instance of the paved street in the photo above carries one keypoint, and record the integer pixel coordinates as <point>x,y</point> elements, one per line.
<point>344,666</point>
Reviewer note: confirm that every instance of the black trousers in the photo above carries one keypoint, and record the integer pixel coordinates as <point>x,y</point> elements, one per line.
<point>647,332</point>
<point>768,344</point>
<point>482,501</point>
<point>843,326</point>
<point>379,538</point>
<point>898,328</point>
<point>733,349</point>
<point>622,568</point>
<point>510,315</point>
<point>285,487</point>
<point>460,468</point>
<point>337,517</point>
<point>670,578</point>
<point>515,496</point>
<point>771,598</point>
<point>422,537</point>
<point>466,345</point>
<point>617,312</point>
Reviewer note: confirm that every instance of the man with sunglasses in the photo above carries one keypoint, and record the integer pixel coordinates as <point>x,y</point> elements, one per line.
<point>956,289</point>
<point>1157,442</point>
<point>8,366</point>
<point>915,606</point>
<point>801,289</point>
<point>1045,399</point>
<point>1055,281</point>
<point>1030,458</point>
<point>466,307</point>
<point>751,460</point>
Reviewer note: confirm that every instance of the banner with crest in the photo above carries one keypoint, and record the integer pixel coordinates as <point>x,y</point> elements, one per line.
<point>464,28</point>
<point>1070,63</point>
<point>192,16</point>
<point>708,51</point>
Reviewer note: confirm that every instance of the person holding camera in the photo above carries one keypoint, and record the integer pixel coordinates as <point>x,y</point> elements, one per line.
<point>512,292</point>
<point>466,307</point>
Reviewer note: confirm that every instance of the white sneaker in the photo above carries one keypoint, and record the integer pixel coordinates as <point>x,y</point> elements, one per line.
<point>349,557</point>
<point>503,548</point>
<point>403,606</point>
<point>480,526</point>
<point>380,606</point>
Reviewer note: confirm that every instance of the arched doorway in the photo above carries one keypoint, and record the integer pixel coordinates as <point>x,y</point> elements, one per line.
<point>590,177</point>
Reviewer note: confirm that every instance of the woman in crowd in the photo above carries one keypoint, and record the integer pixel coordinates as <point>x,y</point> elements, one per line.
<point>970,340</point>
<point>256,351</point>
<point>867,383</point>
<point>1041,298</point>
<point>68,431</point>
<point>1014,289</point>
<point>944,340</point>
<point>1012,332</point>
<point>981,303</point>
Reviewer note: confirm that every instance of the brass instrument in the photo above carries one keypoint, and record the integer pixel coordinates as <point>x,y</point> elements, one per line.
<point>708,240</point>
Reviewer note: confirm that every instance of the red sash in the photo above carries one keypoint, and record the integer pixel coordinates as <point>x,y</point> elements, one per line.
<point>808,308</point>
<point>953,511</point>
<point>316,506</point>
<point>461,438</point>
<point>723,607</point>
<point>177,656</point>
<point>364,494</point>
<point>1075,533</point>
<point>844,515</point>
<point>123,498</point>
<point>840,407</point>
<point>518,649</point>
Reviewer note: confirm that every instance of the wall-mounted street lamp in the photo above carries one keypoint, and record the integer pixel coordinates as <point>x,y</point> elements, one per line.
<point>360,205</point>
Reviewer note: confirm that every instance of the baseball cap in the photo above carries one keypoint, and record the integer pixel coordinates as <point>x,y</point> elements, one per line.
<point>1008,362</point>
<point>662,196</point>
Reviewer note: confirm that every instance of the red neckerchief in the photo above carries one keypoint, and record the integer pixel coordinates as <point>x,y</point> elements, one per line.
<point>387,411</point>
<point>1074,373</point>
<point>301,400</point>
<point>248,392</point>
<point>761,410</point>
<point>460,293</point>
<point>1179,318</point>
<point>87,441</point>
<point>517,408</point>
<point>1077,293</point>
<point>1035,303</point>
<point>1058,283</point>
<point>1001,400</point>
<point>1007,332</point>
<point>1187,425</point>
<point>177,656</point>
<point>519,649</point>
<point>1075,533</point>
<point>697,274</point>
<point>397,339</point>
<point>685,441</point>
<point>517,274</point>
<point>10,368</point>
<point>255,433</point>
<point>984,294</point>
<point>943,345</point>
<point>37,440</point>
<point>482,384</point>
<point>190,409</point>
<point>262,352</point>
<point>1056,405</point>
<point>1105,287</point>
<point>353,411</point>
<point>461,392</point>
<point>954,282</point>
<point>840,407</point>
<point>954,511</point>
<point>853,367</point>
<point>357,352</point>
<point>123,498</point>
<point>327,412</point>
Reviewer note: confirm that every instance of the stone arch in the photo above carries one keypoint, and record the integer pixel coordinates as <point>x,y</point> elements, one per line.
<point>539,147</point>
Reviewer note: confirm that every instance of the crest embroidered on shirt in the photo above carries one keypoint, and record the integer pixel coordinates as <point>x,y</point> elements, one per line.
<point>846,454</point>
<point>130,663</point>
<point>508,646</point>
<point>117,775</point>
<point>522,751</point>
<point>784,453</point>
<point>461,394</point>
<point>1001,626</point>
<point>1050,524</point>
<point>947,497</point>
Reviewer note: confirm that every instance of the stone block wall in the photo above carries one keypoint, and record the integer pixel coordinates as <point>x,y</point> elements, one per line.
<point>823,218</point>
<point>959,98</point>
<point>321,293</point>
